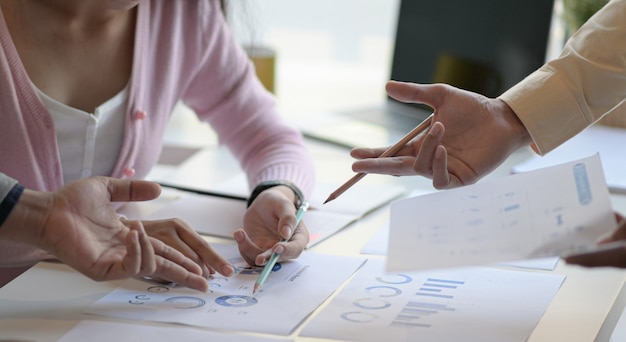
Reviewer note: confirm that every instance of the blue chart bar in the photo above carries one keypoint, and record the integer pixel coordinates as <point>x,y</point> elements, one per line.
<point>433,295</point>
<point>432,306</point>
<point>414,312</point>
<point>441,285</point>
<point>408,321</point>
<point>446,281</point>
<point>409,311</point>
<point>437,285</point>
<point>511,207</point>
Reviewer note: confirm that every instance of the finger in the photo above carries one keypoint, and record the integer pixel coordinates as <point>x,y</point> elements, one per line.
<point>617,235</point>
<point>173,272</point>
<point>148,258</point>
<point>124,190</point>
<point>163,250</point>
<point>429,94</point>
<point>131,264</point>
<point>424,162</point>
<point>441,177</point>
<point>365,152</point>
<point>395,166</point>
<point>173,266</point>
<point>294,247</point>
<point>615,257</point>
<point>207,254</point>
<point>185,240</point>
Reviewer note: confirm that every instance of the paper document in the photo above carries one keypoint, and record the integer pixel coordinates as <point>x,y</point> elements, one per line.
<point>219,216</point>
<point>359,201</point>
<point>291,293</point>
<point>468,304</point>
<point>101,331</point>
<point>554,211</point>
<point>606,141</point>
<point>378,244</point>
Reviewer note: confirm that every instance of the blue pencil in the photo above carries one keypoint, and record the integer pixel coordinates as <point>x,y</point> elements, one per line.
<point>270,264</point>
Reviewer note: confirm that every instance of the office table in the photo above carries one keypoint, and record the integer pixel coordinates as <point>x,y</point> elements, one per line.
<point>48,300</point>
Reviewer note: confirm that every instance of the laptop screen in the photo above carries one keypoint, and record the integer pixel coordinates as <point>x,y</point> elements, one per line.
<point>485,46</point>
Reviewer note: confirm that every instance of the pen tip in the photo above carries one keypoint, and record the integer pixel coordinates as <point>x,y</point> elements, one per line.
<point>257,287</point>
<point>329,199</point>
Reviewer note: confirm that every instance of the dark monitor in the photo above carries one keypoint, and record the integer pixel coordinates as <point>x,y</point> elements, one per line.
<point>485,46</point>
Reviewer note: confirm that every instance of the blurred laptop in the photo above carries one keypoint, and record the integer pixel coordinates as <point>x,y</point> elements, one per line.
<point>485,46</point>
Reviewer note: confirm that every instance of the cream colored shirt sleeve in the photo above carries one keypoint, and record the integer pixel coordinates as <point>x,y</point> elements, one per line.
<point>586,82</point>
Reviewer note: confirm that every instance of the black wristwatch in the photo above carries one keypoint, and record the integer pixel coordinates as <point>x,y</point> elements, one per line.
<point>270,184</point>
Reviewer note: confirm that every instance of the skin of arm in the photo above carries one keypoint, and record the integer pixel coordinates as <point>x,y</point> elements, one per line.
<point>79,226</point>
<point>443,153</point>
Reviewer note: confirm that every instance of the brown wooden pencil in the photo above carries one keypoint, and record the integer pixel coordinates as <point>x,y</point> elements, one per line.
<point>388,153</point>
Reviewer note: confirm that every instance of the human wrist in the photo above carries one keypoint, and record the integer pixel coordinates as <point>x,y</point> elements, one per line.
<point>287,186</point>
<point>9,201</point>
<point>25,221</point>
<point>513,122</point>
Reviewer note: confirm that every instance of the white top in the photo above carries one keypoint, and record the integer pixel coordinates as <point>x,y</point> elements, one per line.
<point>89,143</point>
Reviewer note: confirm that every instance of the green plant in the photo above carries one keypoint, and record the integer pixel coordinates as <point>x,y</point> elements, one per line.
<point>578,11</point>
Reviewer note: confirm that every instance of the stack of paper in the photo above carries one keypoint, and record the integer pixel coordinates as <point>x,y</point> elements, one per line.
<point>606,141</point>
<point>555,211</point>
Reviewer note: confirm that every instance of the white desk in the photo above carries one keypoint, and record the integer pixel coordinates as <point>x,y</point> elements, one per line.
<point>48,300</point>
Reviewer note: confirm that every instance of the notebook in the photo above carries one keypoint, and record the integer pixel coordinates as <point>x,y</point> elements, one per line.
<point>485,46</point>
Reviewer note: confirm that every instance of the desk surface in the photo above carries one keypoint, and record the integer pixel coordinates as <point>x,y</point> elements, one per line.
<point>48,300</point>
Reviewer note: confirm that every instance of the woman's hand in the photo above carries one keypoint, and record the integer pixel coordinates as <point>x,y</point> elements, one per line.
<point>177,234</point>
<point>270,218</point>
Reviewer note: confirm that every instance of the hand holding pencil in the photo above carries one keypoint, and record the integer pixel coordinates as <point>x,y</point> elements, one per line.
<point>388,153</point>
<point>274,257</point>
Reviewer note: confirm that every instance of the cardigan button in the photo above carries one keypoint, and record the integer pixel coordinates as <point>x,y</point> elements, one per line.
<point>140,115</point>
<point>129,171</point>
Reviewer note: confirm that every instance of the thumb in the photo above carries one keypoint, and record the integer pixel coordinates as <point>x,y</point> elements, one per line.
<point>125,190</point>
<point>407,92</point>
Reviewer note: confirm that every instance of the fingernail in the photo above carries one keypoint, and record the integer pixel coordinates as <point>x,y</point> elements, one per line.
<point>238,235</point>
<point>261,262</point>
<point>287,232</point>
<point>228,270</point>
<point>279,249</point>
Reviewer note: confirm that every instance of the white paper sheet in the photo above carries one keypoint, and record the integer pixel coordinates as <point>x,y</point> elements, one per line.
<point>378,244</point>
<point>101,331</point>
<point>357,201</point>
<point>549,212</point>
<point>606,141</point>
<point>218,216</point>
<point>468,304</point>
<point>293,290</point>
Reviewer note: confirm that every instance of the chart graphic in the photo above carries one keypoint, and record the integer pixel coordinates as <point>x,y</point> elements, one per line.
<point>422,306</point>
<point>229,303</point>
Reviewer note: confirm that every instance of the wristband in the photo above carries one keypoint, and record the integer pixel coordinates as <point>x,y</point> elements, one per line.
<point>270,184</point>
<point>9,201</point>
